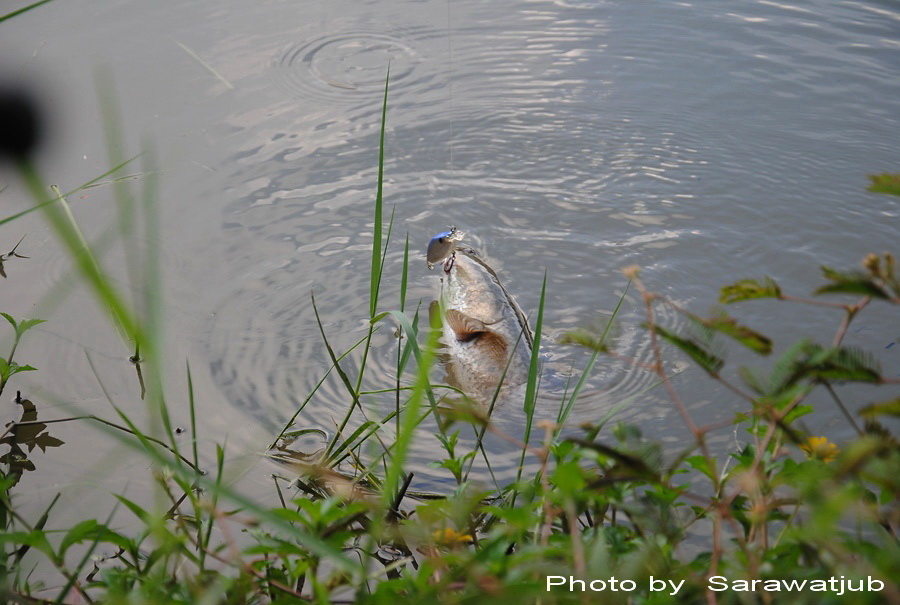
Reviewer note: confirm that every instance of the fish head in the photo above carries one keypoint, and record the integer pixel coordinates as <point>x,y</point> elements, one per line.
<point>442,246</point>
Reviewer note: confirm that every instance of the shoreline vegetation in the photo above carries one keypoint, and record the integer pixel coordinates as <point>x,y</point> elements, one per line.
<point>787,508</point>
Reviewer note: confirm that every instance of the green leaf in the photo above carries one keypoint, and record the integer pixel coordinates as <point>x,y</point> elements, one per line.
<point>10,320</point>
<point>16,368</point>
<point>8,369</point>
<point>885,408</point>
<point>752,379</point>
<point>702,464</point>
<point>806,360</point>
<point>22,10</point>
<point>27,324</point>
<point>852,282</point>
<point>407,348</point>
<point>885,183</point>
<point>91,530</point>
<point>845,363</point>
<point>632,463</point>
<point>706,360</point>
<point>531,387</point>
<point>797,412</point>
<point>375,274</point>
<point>747,289</point>
<point>293,435</point>
<point>34,539</point>
<point>378,317</point>
<point>786,370</point>
<point>569,478</point>
<point>350,442</point>
<point>749,338</point>
<point>787,396</point>
<point>141,514</point>
<point>584,337</point>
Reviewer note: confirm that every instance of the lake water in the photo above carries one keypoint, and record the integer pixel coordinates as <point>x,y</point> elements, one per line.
<point>703,141</point>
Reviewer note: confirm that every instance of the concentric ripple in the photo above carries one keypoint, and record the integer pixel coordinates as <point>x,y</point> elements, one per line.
<point>566,142</point>
<point>347,66</point>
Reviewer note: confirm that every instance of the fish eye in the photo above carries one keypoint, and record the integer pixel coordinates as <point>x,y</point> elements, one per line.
<point>443,240</point>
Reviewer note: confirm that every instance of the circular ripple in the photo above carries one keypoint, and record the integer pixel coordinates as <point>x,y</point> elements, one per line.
<point>55,267</point>
<point>348,65</point>
<point>265,350</point>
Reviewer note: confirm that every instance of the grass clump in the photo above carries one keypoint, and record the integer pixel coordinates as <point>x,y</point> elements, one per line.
<point>606,507</point>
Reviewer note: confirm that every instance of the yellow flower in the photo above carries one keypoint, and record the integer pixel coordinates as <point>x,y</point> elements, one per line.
<point>449,537</point>
<point>820,448</point>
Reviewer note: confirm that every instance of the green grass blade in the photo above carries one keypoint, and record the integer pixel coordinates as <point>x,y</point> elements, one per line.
<point>564,412</point>
<point>193,412</point>
<point>39,194</point>
<point>408,347</point>
<point>404,276</point>
<point>375,276</point>
<point>422,357</point>
<point>24,9</point>
<point>365,356</point>
<point>531,386</point>
<point>534,370</point>
<point>410,420</point>
<point>400,347</point>
<point>115,151</point>
<point>205,65</point>
<point>354,403</point>
<point>63,223</point>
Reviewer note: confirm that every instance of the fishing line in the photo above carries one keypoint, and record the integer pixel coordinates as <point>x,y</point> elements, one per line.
<point>450,93</point>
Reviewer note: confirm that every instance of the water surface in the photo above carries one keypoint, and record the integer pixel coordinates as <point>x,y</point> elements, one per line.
<point>702,141</point>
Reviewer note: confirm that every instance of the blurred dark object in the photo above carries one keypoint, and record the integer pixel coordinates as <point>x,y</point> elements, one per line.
<point>19,123</point>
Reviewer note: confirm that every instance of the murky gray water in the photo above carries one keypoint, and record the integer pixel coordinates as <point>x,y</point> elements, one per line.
<point>702,141</point>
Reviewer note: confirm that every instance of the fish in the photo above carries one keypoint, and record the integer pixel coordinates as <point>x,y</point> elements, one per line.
<point>484,331</point>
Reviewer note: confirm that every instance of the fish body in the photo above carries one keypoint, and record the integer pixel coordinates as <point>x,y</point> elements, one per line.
<point>485,332</point>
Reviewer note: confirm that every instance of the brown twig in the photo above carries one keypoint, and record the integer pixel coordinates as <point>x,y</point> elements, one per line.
<point>852,310</point>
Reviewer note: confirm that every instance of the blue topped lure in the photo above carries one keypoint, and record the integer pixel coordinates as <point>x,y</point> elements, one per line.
<point>443,246</point>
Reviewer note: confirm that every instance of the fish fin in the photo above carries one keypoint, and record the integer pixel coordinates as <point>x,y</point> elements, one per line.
<point>496,347</point>
<point>464,327</point>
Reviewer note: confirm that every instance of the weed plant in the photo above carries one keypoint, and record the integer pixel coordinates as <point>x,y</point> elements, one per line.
<point>606,505</point>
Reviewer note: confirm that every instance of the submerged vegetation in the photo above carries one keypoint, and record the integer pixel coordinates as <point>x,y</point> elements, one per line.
<point>807,519</point>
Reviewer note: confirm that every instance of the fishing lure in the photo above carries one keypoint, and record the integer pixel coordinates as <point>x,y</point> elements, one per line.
<point>442,247</point>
